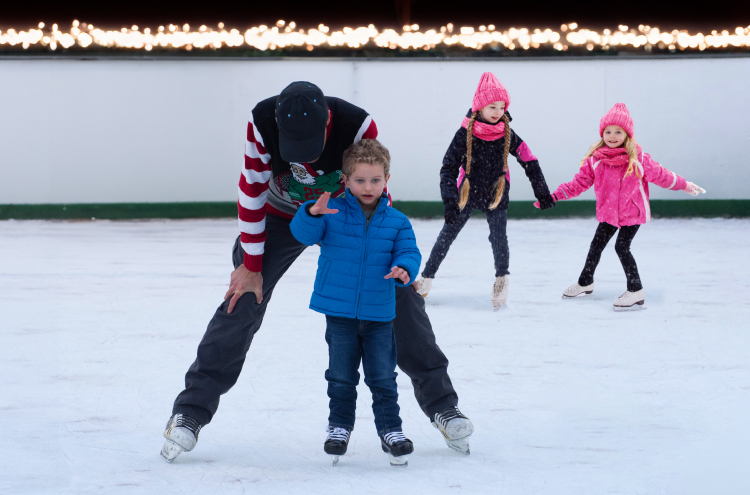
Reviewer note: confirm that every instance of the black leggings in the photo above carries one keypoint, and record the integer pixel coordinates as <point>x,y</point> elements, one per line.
<point>604,233</point>
<point>497,220</point>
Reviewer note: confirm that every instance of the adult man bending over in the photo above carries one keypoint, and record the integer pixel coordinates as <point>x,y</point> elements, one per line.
<point>294,151</point>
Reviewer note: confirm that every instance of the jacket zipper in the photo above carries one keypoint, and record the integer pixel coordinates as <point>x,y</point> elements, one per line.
<point>364,255</point>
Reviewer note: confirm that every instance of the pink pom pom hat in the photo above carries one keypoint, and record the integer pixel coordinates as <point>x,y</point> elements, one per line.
<point>618,115</point>
<point>489,90</point>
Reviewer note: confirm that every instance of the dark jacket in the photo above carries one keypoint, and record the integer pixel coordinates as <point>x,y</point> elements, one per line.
<point>486,169</point>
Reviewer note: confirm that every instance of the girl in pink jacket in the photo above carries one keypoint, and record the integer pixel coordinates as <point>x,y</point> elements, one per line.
<point>620,172</point>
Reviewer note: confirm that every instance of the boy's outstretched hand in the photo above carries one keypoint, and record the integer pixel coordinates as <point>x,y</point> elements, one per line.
<point>321,205</point>
<point>400,273</point>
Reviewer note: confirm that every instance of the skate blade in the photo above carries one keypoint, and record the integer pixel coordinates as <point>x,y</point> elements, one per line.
<point>582,294</point>
<point>497,307</point>
<point>460,445</point>
<point>400,461</point>
<point>635,307</point>
<point>170,451</point>
<point>335,459</point>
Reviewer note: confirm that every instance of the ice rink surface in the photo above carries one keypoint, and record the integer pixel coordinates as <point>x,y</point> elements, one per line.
<point>100,320</point>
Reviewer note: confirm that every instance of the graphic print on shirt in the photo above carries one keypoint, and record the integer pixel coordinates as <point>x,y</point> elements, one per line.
<point>305,183</point>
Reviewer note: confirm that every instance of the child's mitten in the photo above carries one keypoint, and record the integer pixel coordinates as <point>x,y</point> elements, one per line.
<point>693,190</point>
<point>546,202</point>
<point>451,212</point>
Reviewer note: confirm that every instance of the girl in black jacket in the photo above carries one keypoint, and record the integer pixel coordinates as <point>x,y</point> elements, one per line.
<point>477,162</point>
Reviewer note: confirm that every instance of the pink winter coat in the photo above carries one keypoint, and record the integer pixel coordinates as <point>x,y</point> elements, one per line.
<point>620,200</point>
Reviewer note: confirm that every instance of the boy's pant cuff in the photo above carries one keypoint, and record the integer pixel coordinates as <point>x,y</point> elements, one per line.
<point>390,430</point>
<point>341,425</point>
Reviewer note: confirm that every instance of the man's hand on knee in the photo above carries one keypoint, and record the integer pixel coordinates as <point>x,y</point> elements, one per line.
<point>242,281</point>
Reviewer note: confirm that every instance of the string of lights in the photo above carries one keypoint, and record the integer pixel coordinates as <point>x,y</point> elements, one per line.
<point>282,36</point>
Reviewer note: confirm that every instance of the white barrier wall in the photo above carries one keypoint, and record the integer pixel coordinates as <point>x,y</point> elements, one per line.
<point>100,131</point>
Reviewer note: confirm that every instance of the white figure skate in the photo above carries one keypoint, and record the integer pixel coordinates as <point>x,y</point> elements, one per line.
<point>500,292</point>
<point>576,290</point>
<point>630,301</point>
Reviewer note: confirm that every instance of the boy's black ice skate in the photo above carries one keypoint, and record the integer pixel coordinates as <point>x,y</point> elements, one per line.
<point>397,446</point>
<point>455,427</point>
<point>336,442</point>
<point>181,434</point>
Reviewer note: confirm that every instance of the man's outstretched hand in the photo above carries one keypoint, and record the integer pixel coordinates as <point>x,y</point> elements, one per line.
<point>321,205</point>
<point>400,273</point>
<point>242,281</point>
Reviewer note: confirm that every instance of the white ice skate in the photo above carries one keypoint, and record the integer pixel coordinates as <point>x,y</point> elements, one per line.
<point>423,286</point>
<point>630,301</point>
<point>576,290</point>
<point>397,446</point>
<point>455,427</point>
<point>181,434</point>
<point>500,292</point>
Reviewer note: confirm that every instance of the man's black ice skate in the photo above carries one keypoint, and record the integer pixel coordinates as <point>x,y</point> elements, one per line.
<point>455,427</point>
<point>181,434</point>
<point>336,442</point>
<point>397,446</point>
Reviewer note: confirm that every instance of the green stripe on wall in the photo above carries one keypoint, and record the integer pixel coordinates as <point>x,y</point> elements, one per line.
<point>660,208</point>
<point>734,208</point>
<point>118,211</point>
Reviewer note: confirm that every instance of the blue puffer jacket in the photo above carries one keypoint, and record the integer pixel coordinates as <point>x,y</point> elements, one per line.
<point>355,258</point>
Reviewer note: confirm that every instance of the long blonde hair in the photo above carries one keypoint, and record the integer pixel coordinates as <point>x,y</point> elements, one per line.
<point>630,146</point>
<point>464,198</point>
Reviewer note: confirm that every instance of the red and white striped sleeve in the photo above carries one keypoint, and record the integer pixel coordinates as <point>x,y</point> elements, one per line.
<point>253,191</point>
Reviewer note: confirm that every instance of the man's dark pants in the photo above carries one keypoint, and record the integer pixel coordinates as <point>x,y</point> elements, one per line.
<point>222,351</point>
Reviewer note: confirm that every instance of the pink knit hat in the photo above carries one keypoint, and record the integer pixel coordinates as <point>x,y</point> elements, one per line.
<point>488,91</point>
<point>618,115</point>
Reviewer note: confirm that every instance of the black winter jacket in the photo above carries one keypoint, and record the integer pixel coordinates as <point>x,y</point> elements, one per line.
<point>486,169</point>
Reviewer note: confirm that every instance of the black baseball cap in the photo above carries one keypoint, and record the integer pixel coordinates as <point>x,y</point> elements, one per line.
<point>301,115</point>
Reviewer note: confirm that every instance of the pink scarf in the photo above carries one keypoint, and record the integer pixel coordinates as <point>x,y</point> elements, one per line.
<point>615,157</point>
<point>485,132</point>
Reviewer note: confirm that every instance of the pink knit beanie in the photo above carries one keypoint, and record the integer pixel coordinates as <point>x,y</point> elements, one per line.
<point>488,91</point>
<point>618,115</point>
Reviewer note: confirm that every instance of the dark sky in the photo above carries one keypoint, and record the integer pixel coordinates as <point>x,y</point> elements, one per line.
<point>382,13</point>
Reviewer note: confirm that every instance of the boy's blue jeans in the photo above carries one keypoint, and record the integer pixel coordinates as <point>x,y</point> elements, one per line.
<point>372,342</point>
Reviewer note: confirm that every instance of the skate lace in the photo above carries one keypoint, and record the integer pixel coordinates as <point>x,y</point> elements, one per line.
<point>499,286</point>
<point>182,421</point>
<point>394,437</point>
<point>338,434</point>
<point>444,417</point>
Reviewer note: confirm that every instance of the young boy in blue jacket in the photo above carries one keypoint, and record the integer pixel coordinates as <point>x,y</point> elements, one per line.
<point>366,249</point>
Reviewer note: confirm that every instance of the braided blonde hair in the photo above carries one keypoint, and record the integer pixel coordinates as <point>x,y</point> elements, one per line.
<point>464,198</point>
<point>630,146</point>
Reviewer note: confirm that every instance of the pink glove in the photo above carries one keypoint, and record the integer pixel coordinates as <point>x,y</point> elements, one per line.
<point>537,205</point>
<point>693,190</point>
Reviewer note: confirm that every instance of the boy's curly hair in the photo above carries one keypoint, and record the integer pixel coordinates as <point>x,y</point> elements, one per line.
<point>366,151</point>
